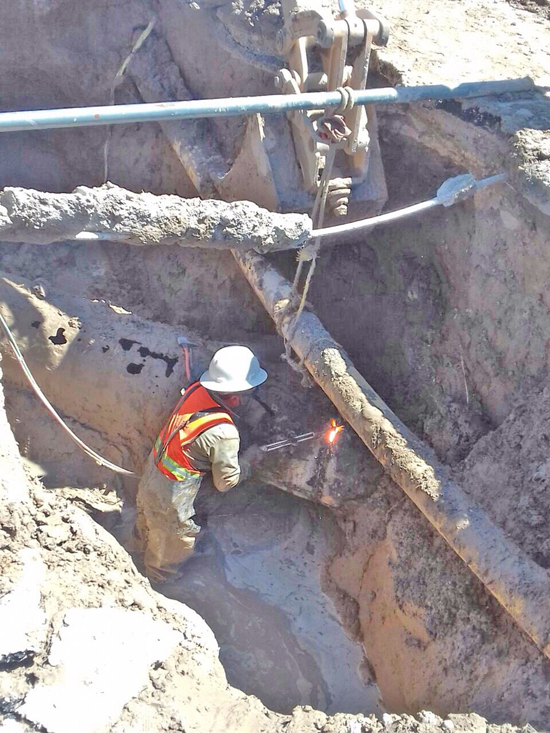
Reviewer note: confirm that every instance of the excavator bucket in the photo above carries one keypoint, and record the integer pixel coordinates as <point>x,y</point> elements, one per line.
<point>281,161</point>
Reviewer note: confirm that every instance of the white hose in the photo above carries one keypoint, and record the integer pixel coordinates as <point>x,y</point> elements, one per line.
<point>41,396</point>
<point>363,224</point>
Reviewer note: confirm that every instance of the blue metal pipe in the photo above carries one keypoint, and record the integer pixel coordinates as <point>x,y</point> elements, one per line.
<point>230,107</point>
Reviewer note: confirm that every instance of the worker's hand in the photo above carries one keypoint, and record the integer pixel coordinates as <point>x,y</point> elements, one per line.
<point>249,460</point>
<point>252,456</point>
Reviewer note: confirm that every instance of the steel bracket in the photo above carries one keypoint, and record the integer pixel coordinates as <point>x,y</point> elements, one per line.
<point>324,53</point>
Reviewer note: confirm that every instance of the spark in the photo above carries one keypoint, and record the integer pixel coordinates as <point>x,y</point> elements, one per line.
<point>333,432</point>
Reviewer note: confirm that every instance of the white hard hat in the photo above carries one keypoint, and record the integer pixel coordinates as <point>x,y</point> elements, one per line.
<point>233,369</point>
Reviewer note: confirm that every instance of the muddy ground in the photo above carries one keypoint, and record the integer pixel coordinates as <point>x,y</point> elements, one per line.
<point>344,599</point>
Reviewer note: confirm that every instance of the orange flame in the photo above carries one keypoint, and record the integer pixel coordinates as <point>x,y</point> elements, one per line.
<point>333,432</point>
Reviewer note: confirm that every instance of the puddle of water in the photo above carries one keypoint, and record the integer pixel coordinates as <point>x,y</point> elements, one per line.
<point>256,581</point>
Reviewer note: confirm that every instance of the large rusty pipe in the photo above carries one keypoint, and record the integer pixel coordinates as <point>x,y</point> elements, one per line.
<point>520,585</point>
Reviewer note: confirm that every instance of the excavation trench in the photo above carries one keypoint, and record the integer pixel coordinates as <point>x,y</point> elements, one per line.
<point>324,584</point>
<point>259,577</point>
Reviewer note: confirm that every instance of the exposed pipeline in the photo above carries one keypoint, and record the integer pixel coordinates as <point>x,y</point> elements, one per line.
<point>266,104</point>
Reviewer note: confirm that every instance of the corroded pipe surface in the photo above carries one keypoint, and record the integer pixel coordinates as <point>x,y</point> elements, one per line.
<point>517,582</point>
<point>110,212</point>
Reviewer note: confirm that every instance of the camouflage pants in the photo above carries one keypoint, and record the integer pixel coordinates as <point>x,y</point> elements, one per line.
<point>164,526</point>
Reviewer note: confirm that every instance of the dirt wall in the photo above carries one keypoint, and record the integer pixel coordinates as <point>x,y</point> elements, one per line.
<point>432,631</point>
<point>446,313</point>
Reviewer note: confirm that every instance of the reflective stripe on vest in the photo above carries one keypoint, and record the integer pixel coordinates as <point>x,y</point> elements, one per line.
<point>195,413</point>
<point>171,469</point>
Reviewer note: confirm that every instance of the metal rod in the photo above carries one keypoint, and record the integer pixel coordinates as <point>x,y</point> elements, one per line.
<point>285,442</point>
<point>229,107</point>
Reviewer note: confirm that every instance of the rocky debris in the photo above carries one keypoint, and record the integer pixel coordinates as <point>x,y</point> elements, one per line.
<point>102,657</point>
<point>113,213</point>
<point>253,25</point>
<point>103,504</point>
<point>532,157</point>
<point>473,724</point>
<point>22,620</point>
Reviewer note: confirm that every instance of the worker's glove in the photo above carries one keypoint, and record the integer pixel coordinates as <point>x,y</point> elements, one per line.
<point>249,460</point>
<point>253,455</point>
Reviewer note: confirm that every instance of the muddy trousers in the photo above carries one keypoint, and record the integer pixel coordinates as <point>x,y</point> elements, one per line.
<point>164,528</point>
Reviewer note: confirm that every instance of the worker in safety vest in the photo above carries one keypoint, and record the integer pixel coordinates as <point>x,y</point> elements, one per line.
<point>199,437</point>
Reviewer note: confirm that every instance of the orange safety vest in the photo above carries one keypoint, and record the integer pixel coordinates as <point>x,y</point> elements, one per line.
<point>194,413</point>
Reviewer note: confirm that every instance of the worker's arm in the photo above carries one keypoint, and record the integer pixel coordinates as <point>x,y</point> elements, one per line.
<point>224,459</point>
<point>218,449</point>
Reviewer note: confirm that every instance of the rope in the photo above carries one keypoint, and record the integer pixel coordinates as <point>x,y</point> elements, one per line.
<point>331,130</point>
<point>41,396</point>
<point>318,216</point>
<point>118,76</point>
<point>309,253</point>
